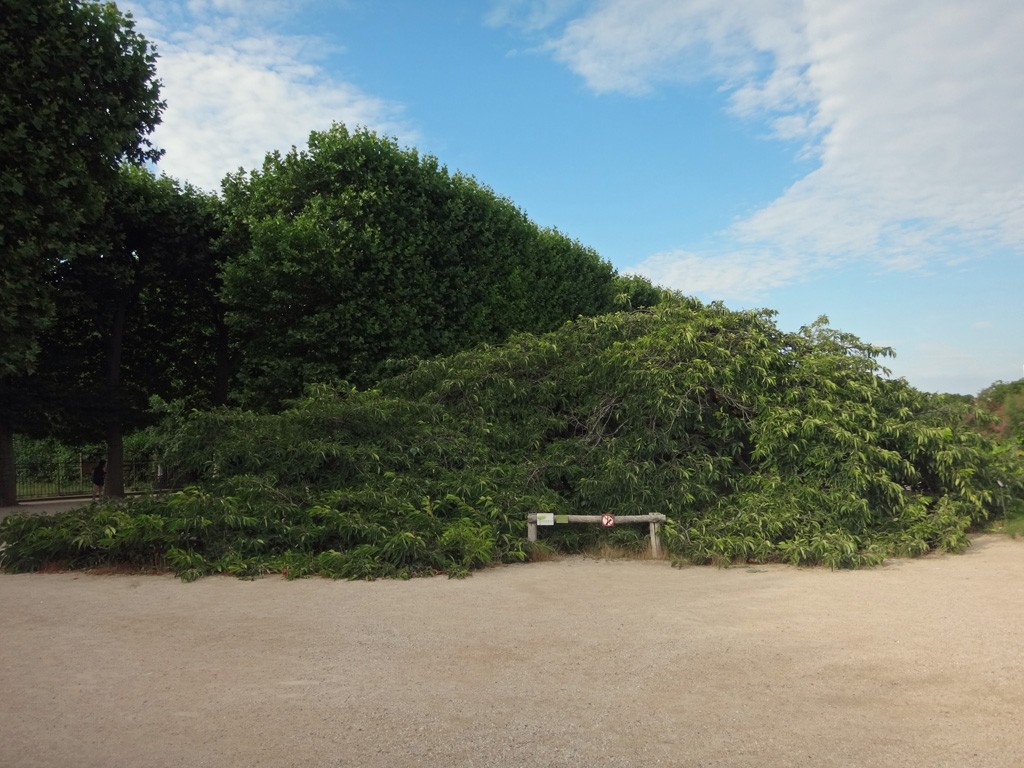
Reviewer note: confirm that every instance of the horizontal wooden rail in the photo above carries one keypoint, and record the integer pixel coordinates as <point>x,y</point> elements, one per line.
<point>655,520</point>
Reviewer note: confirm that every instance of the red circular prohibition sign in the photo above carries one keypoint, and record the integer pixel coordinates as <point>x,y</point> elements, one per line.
<point>607,520</point>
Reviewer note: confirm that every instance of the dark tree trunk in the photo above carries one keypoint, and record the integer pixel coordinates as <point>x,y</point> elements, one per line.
<point>114,429</point>
<point>8,472</point>
<point>115,461</point>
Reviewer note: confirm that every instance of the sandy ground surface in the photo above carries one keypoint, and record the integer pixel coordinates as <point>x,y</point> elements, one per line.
<point>43,507</point>
<point>566,663</point>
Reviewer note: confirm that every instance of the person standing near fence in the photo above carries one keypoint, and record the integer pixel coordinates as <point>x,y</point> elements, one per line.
<point>99,477</point>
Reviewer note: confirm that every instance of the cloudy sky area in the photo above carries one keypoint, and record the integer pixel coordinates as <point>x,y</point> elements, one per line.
<point>860,159</point>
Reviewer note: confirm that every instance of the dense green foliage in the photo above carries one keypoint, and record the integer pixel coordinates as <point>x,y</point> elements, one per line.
<point>757,444</point>
<point>1005,401</point>
<point>78,95</point>
<point>39,454</point>
<point>359,251</point>
<point>1000,414</point>
<point>137,316</point>
<point>131,322</point>
<point>423,263</point>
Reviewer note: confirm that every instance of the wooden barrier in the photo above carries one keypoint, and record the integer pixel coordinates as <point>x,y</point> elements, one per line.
<point>654,520</point>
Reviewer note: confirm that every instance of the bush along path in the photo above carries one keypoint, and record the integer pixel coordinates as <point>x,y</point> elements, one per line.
<point>758,445</point>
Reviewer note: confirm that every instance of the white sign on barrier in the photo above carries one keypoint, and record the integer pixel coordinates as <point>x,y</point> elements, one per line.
<point>545,518</point>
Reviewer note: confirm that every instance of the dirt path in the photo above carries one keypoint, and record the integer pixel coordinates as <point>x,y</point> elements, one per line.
<point>568,663</point>
<point>46,507</point>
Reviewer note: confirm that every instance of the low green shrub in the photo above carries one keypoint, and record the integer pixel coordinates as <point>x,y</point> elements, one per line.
<point>758,445</point>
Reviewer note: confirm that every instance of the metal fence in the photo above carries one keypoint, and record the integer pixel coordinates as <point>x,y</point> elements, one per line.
<point>74,478</point>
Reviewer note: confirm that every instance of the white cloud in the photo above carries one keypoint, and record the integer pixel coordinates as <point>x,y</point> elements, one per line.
<point>633,45</point>
<point>740,276</point>
<point>912,109</point>
<point>235,92</point>
<point>528,15</point>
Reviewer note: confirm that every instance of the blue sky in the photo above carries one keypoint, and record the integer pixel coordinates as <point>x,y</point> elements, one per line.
<point>861,160</point>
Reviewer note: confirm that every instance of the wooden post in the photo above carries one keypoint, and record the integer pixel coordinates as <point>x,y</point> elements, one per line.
<point>655,539</point>
<point>531,530</point>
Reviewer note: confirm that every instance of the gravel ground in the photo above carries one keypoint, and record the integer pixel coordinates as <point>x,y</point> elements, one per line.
<point>46,507</point>
<point>565,663</point>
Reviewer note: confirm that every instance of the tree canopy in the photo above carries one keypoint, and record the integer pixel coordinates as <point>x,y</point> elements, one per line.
<point>137,316</point>
<point>360,251</point>
<point>78,97</point>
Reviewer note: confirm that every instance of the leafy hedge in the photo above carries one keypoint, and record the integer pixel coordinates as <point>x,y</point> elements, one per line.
<point>758,445</point>
<point>357,250</point>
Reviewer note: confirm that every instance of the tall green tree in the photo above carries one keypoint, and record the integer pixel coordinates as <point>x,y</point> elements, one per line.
<point>78,96</point>
<point>359,251</point>
<point>138,317</point>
